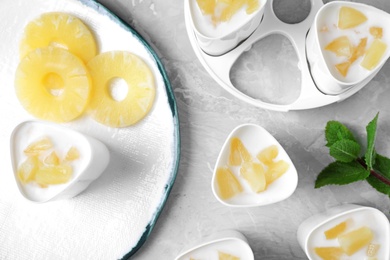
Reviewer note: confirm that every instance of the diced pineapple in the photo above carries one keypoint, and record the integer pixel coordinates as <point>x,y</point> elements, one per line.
<point>35,92</point>
<point>341,46</point>
<point>226,256</point>
<point>350,17</point>
<point>230,10</point>
<point>140,83</point>
<point>238,152</point>
<point>374,54</point>
<point>72,154</point>
<point>52,159</point>
<point>335,231</point>
<point>253,173</point>
<point>59,30</point>
<point>35,148</point>
<point>27,170</point>
<point>372,250</point>
<point>227,183</point>
<point>267,155</point>
<point>377,32</point>
<point>355,240</point>
<point>207,6</point>
<point>343,68</point>
<point>276,170</point>
<point>52,175</point>
<point>252,6</point>
<point>329,253</point>
<point>359,50</point>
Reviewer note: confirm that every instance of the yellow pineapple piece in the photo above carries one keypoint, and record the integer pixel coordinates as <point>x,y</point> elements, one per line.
<point>335,231</point>
<point>374,54</point>
<point>377,32</point>
<point>238,152</point>
<point>252,6</point>
<point>359,50</point>
<point>343,68</point>
<point>53,175</point>
<point>52,159</point>
<point>329,253</point>
<point>355,240</point>
<point>59,30</point>
<point>268,155</point>
<point>230,10</point>
<point>372,250</point>
<point>53,84</point>
<point>276,170</point>
<point>207,6</point>
<point>35,148</point>
<point>350,17</point>
<point>341,46</point>
<point>141,88</point>
<point>226,256</point>
<point>27,170</point>
<point>227,183</point>
<point>72,154</point>
<point>253,173</point>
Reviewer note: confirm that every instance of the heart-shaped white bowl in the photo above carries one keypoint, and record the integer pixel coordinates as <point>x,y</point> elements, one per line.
<point>311,231</point>
<point>219,39</point>
<point>324,30</point>
<point>256,138</point>
<point>94,158</point>
<point>229,241</point>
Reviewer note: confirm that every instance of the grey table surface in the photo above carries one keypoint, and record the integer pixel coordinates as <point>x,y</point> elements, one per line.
<point>208,113</point>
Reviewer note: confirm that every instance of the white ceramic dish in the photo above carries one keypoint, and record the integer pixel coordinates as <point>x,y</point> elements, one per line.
<point>93,161</point>
<point>228,241</point>
<point>256,138</point>
<point>315,225</point>
<point>116,214</point>
<point>225,36</point>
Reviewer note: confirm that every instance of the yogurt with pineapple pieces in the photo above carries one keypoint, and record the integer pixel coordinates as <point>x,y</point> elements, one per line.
<point>327,26</point>
<point>354,220</point>
<point>62,141</point>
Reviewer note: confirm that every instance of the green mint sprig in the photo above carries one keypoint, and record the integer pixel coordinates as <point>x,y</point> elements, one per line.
<point>350,166</point>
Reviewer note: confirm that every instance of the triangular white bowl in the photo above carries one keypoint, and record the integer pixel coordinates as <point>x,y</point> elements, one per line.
<point>94,158</point>
<point>256,138</point>
<point>314,227</point>
<point>228,241</point>
<point>322,62</point>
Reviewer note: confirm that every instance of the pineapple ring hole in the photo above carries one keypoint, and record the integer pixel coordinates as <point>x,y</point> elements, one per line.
<point>53,83</point>
<point>118,88</point>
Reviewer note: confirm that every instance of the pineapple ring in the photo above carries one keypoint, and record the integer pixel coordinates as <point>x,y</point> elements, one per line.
<point>140,82</point>
<point>59,30</point>
<point>51,69</point>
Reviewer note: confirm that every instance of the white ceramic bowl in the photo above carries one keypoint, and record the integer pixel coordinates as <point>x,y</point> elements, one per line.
<point>94,158</point>
<point>227,35</point>
<point>326,77</point>
<point>313,227</point>
<point>228,241</point>
<point>256,138</point>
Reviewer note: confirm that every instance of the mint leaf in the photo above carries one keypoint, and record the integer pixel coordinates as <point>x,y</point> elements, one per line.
<point>345,150</point>
<point>382,164</point>
<point>336,131</point>
<point>341,173</point>
<point>378,185</point>
<point>371,136</point>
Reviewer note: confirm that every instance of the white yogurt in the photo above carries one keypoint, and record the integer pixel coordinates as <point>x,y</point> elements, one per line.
<point>210,252</point>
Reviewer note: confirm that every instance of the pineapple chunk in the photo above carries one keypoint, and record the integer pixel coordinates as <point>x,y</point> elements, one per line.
<point>238,152</point>
<point>329,253</point>
<point>72,154</point>
<point>59,30</point>
<point>374,54</point>
<point>52,175</point>
<point>276,170</point>
<point>35,92</point>
<point>27,170</point>
<point>350,17</point>
<point>267,155</point>
<point>252,6</point>
<point>341,46</point>
<point>207,6</point>
<point>253,173</point>
<point>343,68</point>
<point>225,256</point>
<point>39,146</point>
<point>230,10</point>
<point>141,88</point>
<point>227,183</point>
<point>52,159</point>
<point>377,32</point>
<point>355,240</point>
<point>335,231</point>
<point>359,50</point>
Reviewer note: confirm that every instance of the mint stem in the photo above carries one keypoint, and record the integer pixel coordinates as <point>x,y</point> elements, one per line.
<point>374,173</point>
